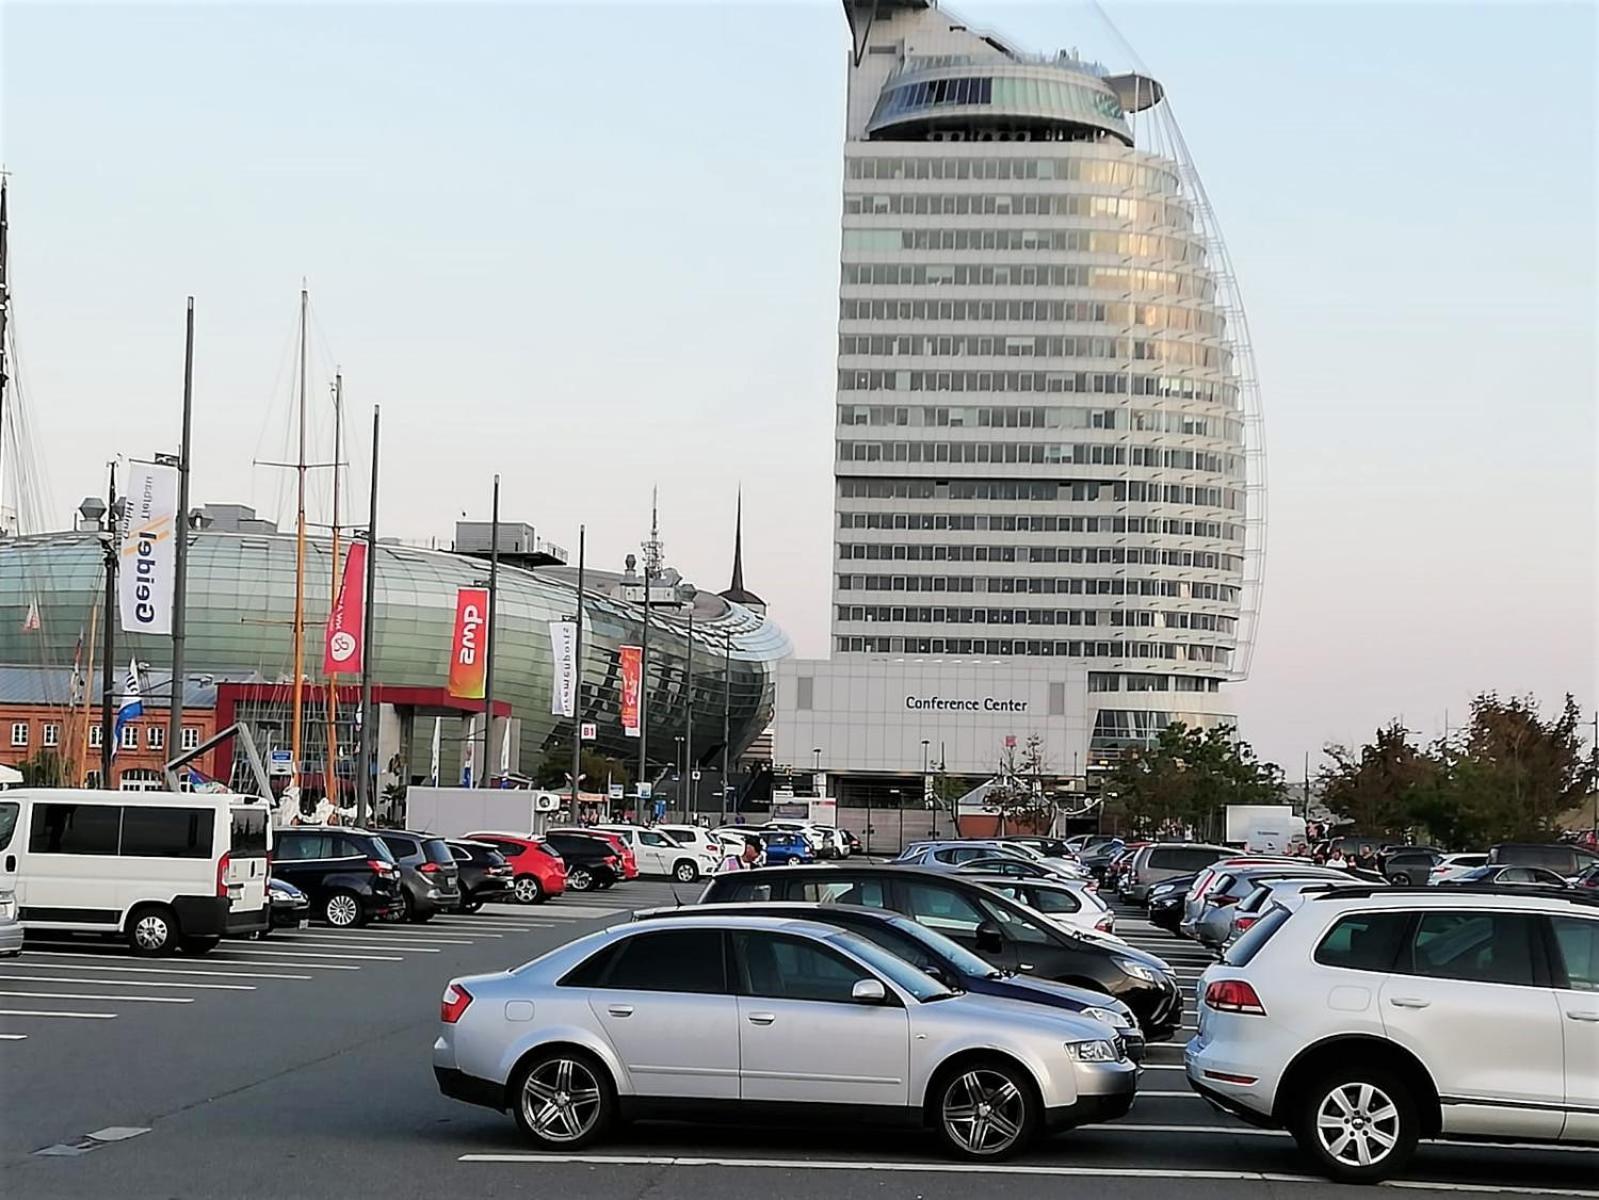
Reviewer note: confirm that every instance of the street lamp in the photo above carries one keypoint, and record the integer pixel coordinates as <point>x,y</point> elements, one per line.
<point>816,759</point>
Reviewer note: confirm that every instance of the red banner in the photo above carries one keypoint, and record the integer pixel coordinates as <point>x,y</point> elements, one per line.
<point>631,659</point>
<point>342,649</point>
<point>469,645</point>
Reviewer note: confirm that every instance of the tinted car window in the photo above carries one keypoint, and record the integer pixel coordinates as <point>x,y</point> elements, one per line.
<point>943,909</point>
<point>1363,941</point>
<point>167,832</point>
<point>437,850</point>
<point>249,835</point>
<point>8,822</point>
<point>868,893</point>
<point>74,829</point>
<point>1017,927</point>
<point>400,847</point>
<point>789,968</point>
<point>1049,900</point>
<point>1246,947</point>
<point>461,854</point>
<point>1578,940</point>
<point>758,890</point>
<point>674,960</point>
<point>296,847</point>
<point>591,970</point>
<point>1477,947</point>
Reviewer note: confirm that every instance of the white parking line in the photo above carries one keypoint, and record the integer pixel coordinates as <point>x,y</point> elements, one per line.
<point>291,942</point>
<point>497,927</point>
<point>1162,1067</point>
<point>13,1037</point>
<point>129,967</point>
<point>81,1016</point>
<point>1171,1095</point>
<point>269,950</point>
<point>83,996</point>
<point>151,983</point>
<point>916,1168</point>
<point>1239,1130</point>
<point>304,966</point>
<point>378,936</point>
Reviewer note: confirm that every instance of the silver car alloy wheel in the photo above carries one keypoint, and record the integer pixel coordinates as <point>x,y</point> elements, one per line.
<point>579,879</point>
<point>561,1100</point>
<point>525,889</point>
<point>152,932</point>
<point>1357,1124</point>
<point>983,1112</point>
<point>343,911</point>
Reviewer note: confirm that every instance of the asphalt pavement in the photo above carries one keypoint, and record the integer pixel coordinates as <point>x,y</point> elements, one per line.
<point>299,1067</point>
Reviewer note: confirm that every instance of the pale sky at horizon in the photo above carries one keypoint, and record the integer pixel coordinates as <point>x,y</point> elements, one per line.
<point>595,248</point>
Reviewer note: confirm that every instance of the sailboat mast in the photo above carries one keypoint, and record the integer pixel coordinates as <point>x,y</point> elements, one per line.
<point>295,743</point>
<point>330,782</point>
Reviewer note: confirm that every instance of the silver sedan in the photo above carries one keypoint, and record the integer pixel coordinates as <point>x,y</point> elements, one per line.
<point>765,1016</point>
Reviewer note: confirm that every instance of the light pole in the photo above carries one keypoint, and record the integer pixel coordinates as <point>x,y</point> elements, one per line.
<point>926,782</point>
<point>678,758</point>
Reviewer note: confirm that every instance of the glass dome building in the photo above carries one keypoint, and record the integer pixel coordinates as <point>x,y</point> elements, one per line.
<point>240,612</point>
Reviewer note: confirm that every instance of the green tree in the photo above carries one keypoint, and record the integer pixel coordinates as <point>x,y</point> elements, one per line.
<point>1380,786</point>
<point>555,771</point>
<point>1018,795</point>
<point>1186,779</point>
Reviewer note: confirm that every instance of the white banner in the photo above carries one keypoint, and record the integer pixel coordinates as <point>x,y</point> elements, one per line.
<point>563,688</point>
<point>149,548</point>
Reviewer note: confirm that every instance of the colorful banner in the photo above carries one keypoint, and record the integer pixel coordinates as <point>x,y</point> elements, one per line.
<point>631,658</point>
<point>563,681</point>
<point>469,645</point>
<point>341,650</point>
<point>149,551</point>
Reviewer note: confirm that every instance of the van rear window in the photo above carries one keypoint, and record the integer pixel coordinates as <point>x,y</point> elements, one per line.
<point>249,838</point>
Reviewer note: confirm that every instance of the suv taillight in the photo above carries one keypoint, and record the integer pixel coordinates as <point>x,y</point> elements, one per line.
<point>222,874</point>
<point>455,1001</point>
<point>380,867</point>
<point>429,868</point>
<point>1105,924</point>
<point>1243,921</point>
<point>1234,996</point>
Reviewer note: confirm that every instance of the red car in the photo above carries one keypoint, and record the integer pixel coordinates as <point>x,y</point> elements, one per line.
<point>537,872</point>
<point>629,859</point>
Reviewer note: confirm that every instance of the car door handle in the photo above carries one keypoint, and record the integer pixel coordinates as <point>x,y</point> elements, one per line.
<point>762,1018</point>
<point>1025,966</point>
<point>620,1010</point>
<point>1582,1014</point>
<point>1408,1002</point>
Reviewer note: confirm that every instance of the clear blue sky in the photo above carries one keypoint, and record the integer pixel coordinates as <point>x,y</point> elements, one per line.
<point>595,248</point>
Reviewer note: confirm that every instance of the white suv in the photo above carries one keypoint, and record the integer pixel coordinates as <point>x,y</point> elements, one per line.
<point>1369,1018</point>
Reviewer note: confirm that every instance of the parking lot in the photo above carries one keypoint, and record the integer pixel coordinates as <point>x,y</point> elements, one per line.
<point>299,1066</point>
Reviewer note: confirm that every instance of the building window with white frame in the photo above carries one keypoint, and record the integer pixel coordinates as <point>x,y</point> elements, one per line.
<point>95,738</point>
<point>51,735</point>
<point>189,739</point>
<point>130,737</point>
<point>19,733</point>
<point>155,738</point>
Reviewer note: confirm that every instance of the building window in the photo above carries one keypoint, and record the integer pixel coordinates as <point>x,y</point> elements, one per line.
<point>130,737</point>
<point>155,738</point>
<point>139,779</point>
<point>52,735</point>
<point>19,733</point>
<point>95,738</point>
<point>190,737</point>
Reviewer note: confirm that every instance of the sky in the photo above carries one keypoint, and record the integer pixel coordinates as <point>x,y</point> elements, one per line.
<point>594,249</point>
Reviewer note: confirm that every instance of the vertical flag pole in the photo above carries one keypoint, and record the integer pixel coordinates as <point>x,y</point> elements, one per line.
<point>489,639</point>
<point>108,667</point>
<point>577,669</point>
<point>180,577</point>
<point>365,775</point>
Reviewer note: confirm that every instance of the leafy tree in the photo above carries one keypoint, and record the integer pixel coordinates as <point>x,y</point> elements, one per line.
<point>1018,795</point>
<point>1187,778</point>
<point>1378,787</point>
<point>45,769</point>
<point>554,773</point>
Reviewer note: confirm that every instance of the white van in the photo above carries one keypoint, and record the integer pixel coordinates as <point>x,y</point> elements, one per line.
<point>163,870</point>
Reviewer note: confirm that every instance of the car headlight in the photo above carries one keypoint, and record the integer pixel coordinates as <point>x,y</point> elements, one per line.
<point>1101,1052</point>
<point>1110,1017</point>
<point>1137,969</point>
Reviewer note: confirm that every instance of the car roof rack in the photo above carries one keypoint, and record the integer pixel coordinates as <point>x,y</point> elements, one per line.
<point>1337,891</point>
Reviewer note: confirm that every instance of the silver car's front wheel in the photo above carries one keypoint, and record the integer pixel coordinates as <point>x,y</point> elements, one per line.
<point>985,1112</point>
<point>562,1102</point>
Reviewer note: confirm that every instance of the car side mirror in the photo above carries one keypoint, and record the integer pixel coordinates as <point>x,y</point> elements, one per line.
<point>989,938</point>
<point>868,991</point>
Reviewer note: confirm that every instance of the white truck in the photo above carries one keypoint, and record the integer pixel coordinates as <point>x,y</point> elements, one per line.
<point>454,811</point>
<point>1264,828</point>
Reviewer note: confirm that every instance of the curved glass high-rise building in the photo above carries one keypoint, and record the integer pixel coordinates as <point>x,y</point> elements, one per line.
<point>1048,443</point>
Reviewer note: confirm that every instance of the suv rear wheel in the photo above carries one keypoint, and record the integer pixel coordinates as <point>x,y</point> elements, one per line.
<point>685,871</point>
<point>1358,1123</point>
<point>342,910</point>
<point>152,931</point>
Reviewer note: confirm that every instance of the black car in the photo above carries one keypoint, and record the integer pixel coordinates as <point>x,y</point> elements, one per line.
<point>995,928</point>
<point>1409,866</point>
<point>945,960</point>
<point>348,874</point>
<point>484,874</point>
<point>1166,901</point>
<point>591,861</point>
<point>430,882</point>
<point>287,907</point>
<point>1100,857</point>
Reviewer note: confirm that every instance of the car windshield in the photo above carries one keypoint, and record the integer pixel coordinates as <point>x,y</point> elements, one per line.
<point>962,959</point>
<point>919,984</point>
